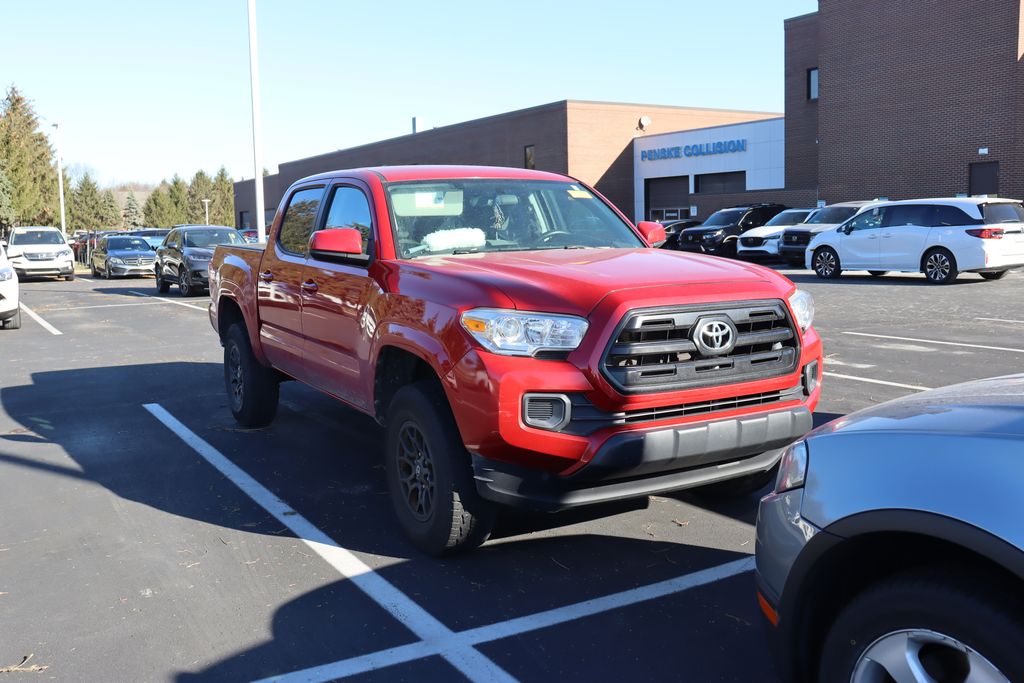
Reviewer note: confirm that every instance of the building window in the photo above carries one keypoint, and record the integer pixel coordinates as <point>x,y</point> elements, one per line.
<point>705,183</point>
<point>528,159</point>
<point>243,220</point>
<point>984,178</point>
<point>812,83</point>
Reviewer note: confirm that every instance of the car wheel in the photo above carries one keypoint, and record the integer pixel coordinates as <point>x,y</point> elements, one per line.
<point>877,273</point>
<point>184,283</point>
<point>162,286</point>
<point>106,272</point>
<point>826,263</point>
<point>429,477</point>
<point>92,269</point>
<point>740,486</point>
<point>14,322</point>
<point>253,389</point>
<point>937,625</point>
<point>939,267</point>
<point>995,275</point>
<point>69,278</point>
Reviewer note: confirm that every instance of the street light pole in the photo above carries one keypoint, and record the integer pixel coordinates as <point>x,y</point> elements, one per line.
<point>257,150</point>
<point>60,177</point>
<point>206,206</point>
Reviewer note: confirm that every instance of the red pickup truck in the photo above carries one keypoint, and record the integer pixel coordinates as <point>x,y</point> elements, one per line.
<point>519,339</point>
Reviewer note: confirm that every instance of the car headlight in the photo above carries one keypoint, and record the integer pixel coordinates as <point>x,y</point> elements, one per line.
<point>118,261</point>
<point>197,259</point>
<point>773,237</point>
<point>520,333</point>
<point>713,234</point>
<point>792,468</point>
<point>802,304</point>
<point>6,274</point>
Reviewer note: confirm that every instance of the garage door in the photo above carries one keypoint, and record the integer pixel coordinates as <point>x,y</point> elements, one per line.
<point>667,198</point>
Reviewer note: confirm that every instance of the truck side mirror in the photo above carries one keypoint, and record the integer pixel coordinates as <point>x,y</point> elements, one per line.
<point>338,244</point>
<point>653,233</point>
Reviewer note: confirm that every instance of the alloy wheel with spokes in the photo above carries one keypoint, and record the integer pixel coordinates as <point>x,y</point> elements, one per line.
<point>184,285</point>
<point>416,471</point>
<point>826,263</point>
<point>923,656</point>
<point>236,379</point>
<point>939,267</point>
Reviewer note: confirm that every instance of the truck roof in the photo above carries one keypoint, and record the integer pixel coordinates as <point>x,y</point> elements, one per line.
<point>439,172</point>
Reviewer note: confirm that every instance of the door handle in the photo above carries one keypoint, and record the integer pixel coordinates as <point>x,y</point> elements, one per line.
<point>267,276</point>
<point>309,286</point>
<point>887,235</point>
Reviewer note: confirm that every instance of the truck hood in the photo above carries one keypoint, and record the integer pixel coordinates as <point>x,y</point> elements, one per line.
<point>574,281</point>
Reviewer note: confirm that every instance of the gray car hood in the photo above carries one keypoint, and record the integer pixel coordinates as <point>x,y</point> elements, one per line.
<point>987,406</point>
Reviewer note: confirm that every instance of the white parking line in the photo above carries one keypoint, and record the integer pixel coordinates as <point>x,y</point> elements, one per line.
<point>932,341</point>
<point>170,301</point>
<point>82,308</point>
<point>1002,320</point>
<point>915,387</point>
<point>858,366</point>
<point>35,316</point>
<point>473,664</point>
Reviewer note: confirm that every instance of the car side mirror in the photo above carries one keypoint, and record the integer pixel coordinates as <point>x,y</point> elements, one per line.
<point>653,233</point>
<point>338,244</point>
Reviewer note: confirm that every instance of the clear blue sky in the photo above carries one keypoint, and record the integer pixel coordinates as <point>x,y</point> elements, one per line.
<point>144,90</point>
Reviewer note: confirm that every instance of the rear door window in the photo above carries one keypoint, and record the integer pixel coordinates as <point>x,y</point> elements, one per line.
<point>909,214</point>
<point>299,220</point>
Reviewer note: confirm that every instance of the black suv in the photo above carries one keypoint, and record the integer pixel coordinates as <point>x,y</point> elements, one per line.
<point>719,233</point>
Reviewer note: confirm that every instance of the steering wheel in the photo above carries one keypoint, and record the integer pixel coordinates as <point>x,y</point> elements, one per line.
<point>551,236</point>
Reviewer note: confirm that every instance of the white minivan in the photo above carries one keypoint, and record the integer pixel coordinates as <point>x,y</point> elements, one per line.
<point>10,310</point>
<point>938,237</point>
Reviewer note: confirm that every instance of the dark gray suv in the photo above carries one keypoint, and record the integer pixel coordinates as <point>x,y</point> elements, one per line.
<point>892,548</point>
<point>184,257</point>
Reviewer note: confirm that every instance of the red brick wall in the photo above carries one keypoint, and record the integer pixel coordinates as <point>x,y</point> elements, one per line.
<point>801,114</point>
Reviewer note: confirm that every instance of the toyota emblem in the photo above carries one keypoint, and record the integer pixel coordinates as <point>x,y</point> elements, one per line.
<point>714,336</point>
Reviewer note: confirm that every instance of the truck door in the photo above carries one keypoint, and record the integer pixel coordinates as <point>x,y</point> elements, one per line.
<point>336,295</point>
<point>278,282</point>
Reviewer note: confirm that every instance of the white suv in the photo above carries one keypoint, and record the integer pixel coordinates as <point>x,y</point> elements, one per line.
<point>938,237</point>
<point>10,311</point>
<point>36,250</point>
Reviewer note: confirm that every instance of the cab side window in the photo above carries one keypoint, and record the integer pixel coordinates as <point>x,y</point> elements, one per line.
<point>867,220</point>
<point>349,208</point>
<point>299,220</point>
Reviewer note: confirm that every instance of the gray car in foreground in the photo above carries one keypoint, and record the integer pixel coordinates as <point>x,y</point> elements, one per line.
<point>892,548</point>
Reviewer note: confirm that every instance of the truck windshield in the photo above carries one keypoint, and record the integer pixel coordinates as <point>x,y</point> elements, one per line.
<point>465,216</point>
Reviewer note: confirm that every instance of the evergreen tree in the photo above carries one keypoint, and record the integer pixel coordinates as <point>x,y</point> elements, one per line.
<point>7,213</point>
<point>85,208</point>
<point>199,189</point>
<point>178,194</point>
<point>110,215</point>
<point>132,215</point>
<point>158,209</point>
<point>222,208</point>
<point>27,156</point>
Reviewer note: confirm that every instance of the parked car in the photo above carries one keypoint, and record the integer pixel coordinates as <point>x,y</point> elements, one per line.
<point>122,255</point>
<point>763,242</point>
<point>938,237</point>
<point>36,251</point>
<point>154,236</point>
<point>793,245</point>
<point>184,256</point>
<point>10,308</point>
<point>720,232</point>
<point>519,340</point>
<point>672,230</point>
<point>250,235</point>
<point>892,547</point>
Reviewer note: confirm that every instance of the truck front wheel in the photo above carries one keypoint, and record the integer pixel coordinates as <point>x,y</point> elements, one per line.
<point>252,388</point>
<point>429,476</point>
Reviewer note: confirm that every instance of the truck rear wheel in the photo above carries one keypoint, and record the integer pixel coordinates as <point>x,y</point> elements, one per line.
<point>253,389</point>
<point>429,477</point>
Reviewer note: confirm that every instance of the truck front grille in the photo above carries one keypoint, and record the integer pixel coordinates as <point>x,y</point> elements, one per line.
<point>688,347</point>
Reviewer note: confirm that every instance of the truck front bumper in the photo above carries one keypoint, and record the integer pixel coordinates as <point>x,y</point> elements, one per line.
<point>635,463</point>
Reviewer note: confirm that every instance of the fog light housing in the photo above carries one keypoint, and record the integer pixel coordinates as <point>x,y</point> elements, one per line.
<point>810,377</point>
<point>546,411</point>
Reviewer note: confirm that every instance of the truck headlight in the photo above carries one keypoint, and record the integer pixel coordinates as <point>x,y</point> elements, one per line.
<point>522,333</point>
<point>802,304</point>
<point>6,274</point>
<point>792,468</point>
<point>713,234</point>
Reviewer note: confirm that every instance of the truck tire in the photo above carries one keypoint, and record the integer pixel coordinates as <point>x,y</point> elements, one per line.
<point>252,388</point>
<point>429,477</point>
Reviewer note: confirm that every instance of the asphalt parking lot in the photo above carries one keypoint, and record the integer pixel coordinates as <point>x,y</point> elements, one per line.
<point>143,536</point>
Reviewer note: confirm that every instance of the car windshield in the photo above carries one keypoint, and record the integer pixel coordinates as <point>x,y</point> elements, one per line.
<point>127,243</point>
<point>832,215</point>
<point>465,216</point>
<point>788,218</point>
<point>724,217</point>
<point>210,238</point>
<point>36,237</point>
<point>1003,212</point>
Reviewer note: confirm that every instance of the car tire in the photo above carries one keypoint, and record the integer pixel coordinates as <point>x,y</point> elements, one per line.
<point>184,283</point>
<point>740,486</point>
<point>429,477</point>
<point>162,285</point>
<point>939,266</point>
<point>92,269</point>
<point>69,278</point>
<point>14,322</point>
<point>106,272</point>
<point>964,607</point>
<point>877,273</point>
<point>826,263</point>
<point>253,389</point>
<point>994,275</point>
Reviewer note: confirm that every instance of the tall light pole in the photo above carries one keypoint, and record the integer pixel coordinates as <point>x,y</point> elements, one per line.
<point>206,206</point>
<point>257,145</point>
<point>60,177</point>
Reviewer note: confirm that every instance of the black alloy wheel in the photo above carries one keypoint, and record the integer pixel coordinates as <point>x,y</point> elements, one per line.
<point>826,263</point>
<point>184,282</point>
